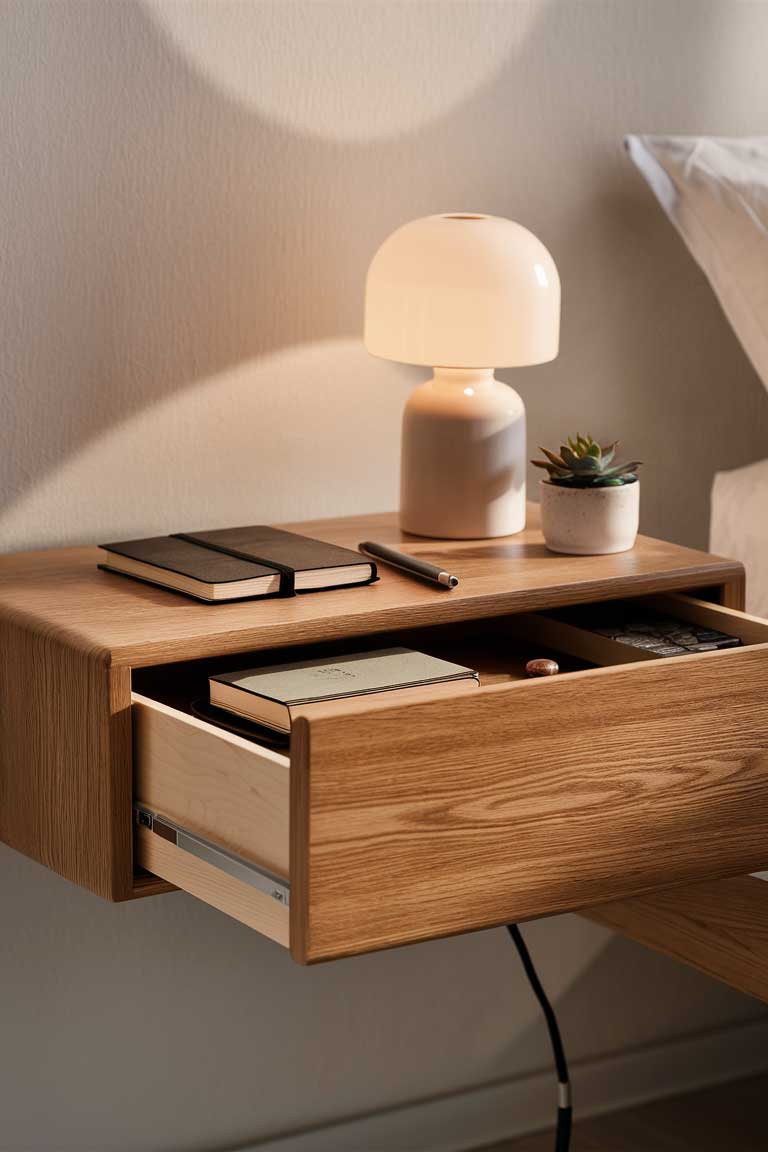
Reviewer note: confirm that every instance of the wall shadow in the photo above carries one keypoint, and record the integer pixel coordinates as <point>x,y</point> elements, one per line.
<point>158,232</point>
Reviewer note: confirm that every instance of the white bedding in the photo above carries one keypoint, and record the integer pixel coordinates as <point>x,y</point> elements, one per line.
<point>715,191</point>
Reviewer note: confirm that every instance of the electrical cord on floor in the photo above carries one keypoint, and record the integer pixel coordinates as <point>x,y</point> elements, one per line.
<point>564,1108</point>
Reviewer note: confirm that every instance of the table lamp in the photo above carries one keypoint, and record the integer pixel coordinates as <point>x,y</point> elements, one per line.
<point>463,293</point>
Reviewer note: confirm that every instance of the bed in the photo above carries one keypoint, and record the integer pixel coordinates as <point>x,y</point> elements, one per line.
<point>715,192</point>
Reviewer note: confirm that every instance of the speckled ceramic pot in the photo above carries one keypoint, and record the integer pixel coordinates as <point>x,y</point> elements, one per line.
<point>589,521</point>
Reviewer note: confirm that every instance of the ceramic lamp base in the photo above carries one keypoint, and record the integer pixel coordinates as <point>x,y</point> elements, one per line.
<point>463,457</point>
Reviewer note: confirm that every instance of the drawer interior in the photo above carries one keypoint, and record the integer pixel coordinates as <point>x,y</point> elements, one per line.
<point>491,647</point>
<point>498,649</point>
<point>232,790</point>
<point>589,632</point>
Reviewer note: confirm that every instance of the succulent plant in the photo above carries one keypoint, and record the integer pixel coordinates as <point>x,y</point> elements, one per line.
<point>582,463</point>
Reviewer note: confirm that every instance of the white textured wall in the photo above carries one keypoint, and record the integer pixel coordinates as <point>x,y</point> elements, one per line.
<point>189,196</point>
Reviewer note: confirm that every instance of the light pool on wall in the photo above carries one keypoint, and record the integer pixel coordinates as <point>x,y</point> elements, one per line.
<point>310,431</point>
<point>404,65</point>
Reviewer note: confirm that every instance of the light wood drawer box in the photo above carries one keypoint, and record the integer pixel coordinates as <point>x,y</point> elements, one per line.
<point>395,823</point>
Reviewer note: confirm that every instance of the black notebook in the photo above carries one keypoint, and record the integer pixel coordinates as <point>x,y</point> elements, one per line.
<point>238,563</point>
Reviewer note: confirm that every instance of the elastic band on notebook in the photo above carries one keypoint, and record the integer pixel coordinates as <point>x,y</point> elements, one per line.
<point>287,574</point>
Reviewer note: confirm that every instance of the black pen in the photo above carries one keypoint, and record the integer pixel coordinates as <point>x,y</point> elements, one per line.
<point>410,564</point>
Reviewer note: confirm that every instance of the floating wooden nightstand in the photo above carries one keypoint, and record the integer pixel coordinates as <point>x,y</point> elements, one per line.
<point>389,823</point>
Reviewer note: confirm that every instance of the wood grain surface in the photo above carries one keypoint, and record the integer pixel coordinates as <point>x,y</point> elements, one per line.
<point>720,927</point>
<point>212,783</point>
<point>244,903</point>
<point>538,628</point>
<point>734,593</point>
<point>532,798</point>
<point>749,629</point>
<point>70,634</point>
<point>577,641</point>
<point>299,841</point>
<point>64,594</point>
<point>65,758</point>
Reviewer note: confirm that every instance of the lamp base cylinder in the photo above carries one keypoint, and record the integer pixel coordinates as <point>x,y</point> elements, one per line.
<point>462,472</point>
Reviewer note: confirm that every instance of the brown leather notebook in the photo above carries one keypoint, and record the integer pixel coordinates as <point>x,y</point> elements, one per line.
<point>238,563</point>
<point>305,564</point>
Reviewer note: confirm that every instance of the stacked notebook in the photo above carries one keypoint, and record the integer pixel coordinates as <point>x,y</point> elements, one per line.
<point>276,695</point>
<point>238,563</point>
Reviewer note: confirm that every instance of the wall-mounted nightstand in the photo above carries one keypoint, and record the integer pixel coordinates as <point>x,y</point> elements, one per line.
<point>387,823</point>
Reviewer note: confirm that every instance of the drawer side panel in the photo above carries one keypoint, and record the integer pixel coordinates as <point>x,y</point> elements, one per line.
<point>213,886</point>
<point>227,789</point>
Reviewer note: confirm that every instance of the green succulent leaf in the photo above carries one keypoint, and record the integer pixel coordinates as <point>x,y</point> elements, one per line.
<point>550,468</point>
<point>622,469</point>
<point>556,460</point>
<point>584,463</point>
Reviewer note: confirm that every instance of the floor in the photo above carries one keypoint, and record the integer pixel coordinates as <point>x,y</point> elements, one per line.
<point>725,1118</point>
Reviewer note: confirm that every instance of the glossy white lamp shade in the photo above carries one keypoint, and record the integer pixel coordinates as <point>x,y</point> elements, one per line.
<point>464,293</point>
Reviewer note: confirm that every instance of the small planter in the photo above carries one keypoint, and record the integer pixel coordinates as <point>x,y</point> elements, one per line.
<point>589,521</point>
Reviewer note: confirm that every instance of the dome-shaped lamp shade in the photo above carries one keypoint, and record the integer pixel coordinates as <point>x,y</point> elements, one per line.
<point>463,290</point>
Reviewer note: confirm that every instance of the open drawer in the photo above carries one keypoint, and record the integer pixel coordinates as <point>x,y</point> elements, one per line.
<point>391,823</point>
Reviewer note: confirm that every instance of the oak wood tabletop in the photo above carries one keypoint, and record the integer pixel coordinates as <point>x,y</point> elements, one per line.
<point>63,593</point>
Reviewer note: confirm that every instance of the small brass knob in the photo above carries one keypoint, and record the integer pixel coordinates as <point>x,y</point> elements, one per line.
<point>542,667</point>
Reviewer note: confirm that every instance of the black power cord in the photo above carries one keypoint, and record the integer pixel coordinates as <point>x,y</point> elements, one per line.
<point>564,1107</point>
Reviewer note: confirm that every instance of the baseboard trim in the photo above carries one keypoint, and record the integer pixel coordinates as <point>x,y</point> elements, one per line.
<point>492,1112</point>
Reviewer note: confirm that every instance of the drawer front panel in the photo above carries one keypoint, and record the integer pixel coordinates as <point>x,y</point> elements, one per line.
<point>526,800</point>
